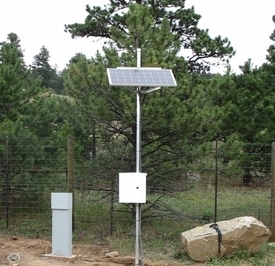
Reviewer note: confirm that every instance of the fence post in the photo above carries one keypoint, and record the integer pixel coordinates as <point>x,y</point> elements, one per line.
<point>7,182</point>
<point>70,147</point>
<point>112,189</point>
<point>272,203</point>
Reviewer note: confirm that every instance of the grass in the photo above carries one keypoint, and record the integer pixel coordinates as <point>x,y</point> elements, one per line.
<point>264,257</point>
<point>160,235</point>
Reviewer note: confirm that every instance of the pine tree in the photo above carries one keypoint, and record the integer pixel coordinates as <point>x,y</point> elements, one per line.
<point>50,78</point>
<point>181,22</point>
<point>22,98</point>
<point>174,121</point>
<point>16,88</point>
<point>31,126</point>
<point>249,117</point>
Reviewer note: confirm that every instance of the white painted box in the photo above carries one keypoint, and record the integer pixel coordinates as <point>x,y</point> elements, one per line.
<point>61,204</point>
<point>132,187</point>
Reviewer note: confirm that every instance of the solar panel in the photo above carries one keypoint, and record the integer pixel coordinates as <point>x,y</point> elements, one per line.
<point>141,77</point>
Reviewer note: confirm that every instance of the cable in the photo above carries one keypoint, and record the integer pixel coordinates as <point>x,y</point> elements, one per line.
<point>216,227</point>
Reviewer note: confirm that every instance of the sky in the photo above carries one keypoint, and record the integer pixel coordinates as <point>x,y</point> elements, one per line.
<point>247,24</point>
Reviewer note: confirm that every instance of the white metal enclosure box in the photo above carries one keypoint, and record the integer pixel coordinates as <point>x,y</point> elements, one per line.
<point>61,204</point>
<point>132,187</point>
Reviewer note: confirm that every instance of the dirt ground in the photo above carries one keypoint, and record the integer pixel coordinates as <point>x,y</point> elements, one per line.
<point>31,252</point>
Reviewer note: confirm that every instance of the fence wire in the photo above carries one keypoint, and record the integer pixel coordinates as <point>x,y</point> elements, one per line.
<point>220,184</point>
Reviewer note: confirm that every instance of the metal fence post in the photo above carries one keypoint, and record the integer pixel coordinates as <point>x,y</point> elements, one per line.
<point>112,189</point>
<point>7,182</point>
<point>272,203</point>
<point>70,147</point>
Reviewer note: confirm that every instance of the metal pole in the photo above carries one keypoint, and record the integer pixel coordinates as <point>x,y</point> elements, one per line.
<point>216,180</point>
<point>7,182</point>
<point>272,202</point>
<point>112,189</point>
<point>138,160</point>
<point>138,132</point>
<point>70,169</point>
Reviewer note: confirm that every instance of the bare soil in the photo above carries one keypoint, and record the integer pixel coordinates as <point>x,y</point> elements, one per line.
<point>31,252</point>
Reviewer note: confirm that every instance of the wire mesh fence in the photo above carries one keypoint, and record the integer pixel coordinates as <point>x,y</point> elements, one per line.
<point>222,183</point>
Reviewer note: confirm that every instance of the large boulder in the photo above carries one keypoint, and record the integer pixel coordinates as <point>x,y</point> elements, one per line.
<point>225,238</point>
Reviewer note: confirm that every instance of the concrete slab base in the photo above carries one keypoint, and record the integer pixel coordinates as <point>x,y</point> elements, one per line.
<point>72,258</point>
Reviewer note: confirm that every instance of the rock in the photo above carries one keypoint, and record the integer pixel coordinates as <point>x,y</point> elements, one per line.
<point>104,263</point>
<point>112,254</point>
<point>127,260</point>
<point>193,176</point>
<point>202,243</point>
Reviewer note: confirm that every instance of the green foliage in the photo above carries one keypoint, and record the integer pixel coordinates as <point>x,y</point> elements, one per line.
<point>44,115</point>
<point>30,119</point>
<point>174,121</point>
<point>136,24</point>
<point>22,99</point>
<point>15,88</point>
<point>262,258</point>
<point>247,101</point>
<point>50,78</point>
<point>271,50</point>
<point>250,98</point>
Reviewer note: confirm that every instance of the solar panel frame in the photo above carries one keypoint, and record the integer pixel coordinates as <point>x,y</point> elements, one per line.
<point>141,77</point>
